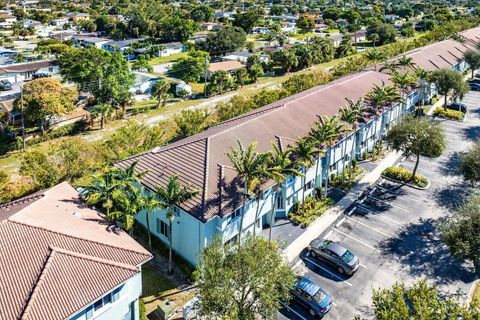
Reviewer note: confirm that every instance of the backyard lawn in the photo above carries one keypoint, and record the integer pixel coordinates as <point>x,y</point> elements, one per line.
<point>172,58</point>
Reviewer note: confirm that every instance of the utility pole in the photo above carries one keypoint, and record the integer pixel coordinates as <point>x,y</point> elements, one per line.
<point>205,77</point>
<point>23,122</point>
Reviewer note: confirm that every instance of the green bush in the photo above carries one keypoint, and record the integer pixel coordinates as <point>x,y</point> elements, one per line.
<point>142,309</point>
<point>402,174</point>
<point>449,114</point>
<point>345,180</point>
<point>311,210</point>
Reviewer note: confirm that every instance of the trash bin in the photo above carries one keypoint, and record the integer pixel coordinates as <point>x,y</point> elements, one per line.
<point>165,310</point>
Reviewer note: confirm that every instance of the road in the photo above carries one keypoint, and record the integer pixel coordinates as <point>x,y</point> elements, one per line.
<point>393,231</point>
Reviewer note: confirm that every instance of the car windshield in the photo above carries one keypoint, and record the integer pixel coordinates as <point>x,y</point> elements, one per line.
<point>320,296</point>
<point>347,256</point>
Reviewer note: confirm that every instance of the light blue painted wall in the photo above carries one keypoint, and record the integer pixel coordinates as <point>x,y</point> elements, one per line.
<point>129,293</point>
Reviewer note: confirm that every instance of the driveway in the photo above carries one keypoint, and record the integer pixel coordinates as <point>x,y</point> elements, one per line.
<point>393,231</point>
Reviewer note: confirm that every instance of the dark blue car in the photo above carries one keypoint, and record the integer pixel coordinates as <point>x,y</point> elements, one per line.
<point>311,296</point>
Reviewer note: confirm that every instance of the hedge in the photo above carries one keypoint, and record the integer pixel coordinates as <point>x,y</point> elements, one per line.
<point>449,114</point>
<point>404,175</point>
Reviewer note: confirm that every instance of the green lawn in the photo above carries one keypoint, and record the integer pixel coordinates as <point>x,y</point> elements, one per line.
<point>156,288</point>
<point>172,58</point>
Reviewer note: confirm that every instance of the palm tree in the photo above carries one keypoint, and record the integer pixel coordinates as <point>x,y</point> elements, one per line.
<point>103,111</point>
<point>160,92</point>
<point>279,166</point>
<point>305,153</point>
<point>129,203</point>
<point>172,196</point>
<point>350,115</point>
<point>151,205</point>
<point>388,66</point>
<point>405,62</point>
<point>403,81</point>
<point>250,166</point>
<point>424,77</point>
<point>103,190</point>
<point>375,56</point>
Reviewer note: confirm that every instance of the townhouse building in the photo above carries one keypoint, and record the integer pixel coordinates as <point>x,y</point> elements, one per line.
<point>201,160</point>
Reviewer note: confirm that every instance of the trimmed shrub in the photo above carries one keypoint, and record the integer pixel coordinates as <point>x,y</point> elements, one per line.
<point>449,114</point>
<point>311,210</point>
<point>402,174</point>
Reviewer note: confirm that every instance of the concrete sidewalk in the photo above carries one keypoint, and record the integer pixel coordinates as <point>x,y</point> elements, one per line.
<point>328,218</point>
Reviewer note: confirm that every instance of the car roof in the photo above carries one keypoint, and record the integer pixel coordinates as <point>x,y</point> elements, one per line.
<point>307,285</point>
<point>336,248</point>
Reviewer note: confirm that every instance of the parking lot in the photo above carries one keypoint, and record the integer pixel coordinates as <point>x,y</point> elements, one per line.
<point>392,229</point>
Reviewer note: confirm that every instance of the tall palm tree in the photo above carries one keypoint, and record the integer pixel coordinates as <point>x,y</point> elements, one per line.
<point>160,92</point>
<point>405,62</point>
<point>389,67</point>
<point>172,196</point>
<point>403,81</point>
<point>305,153</point>
<point>424,77</point>
<point>350,115</point>
<point>104,190</point>
<point>375,56</point>
<point>250,166</point>
<point>129,203</point>
<point>103,111</point>
<point>279,166</point>
<point>151,204</point>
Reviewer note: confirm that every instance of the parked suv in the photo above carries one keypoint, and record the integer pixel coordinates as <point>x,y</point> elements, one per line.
<point>334,254</point>
<point>40,75</point>
<point>5,85</point>
<point>475,86</point>
<point>457,106</point>
<point>312,297</point>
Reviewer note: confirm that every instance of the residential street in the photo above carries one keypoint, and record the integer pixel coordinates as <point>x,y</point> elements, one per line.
<point>393,232</point>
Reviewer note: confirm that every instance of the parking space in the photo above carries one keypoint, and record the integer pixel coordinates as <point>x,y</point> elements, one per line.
<point>392,231</point>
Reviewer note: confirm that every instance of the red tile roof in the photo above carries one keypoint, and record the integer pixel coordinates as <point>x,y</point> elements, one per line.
<point>59,256</point>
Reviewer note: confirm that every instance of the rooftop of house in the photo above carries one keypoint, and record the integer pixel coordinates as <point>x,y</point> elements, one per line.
<point>26,67</point>
<point>91,39</point>
<point>225,66</point>
<point>201,160</point>
<point>59,256</point>
<point>123,43</point>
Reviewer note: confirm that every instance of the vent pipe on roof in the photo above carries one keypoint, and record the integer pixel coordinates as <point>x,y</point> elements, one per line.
<point>155,150</point>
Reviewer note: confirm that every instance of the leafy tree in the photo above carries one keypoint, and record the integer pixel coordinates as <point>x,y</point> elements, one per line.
<point>173,195</point>
<point>470,163</point>
<point>345,47</point>
<point>243,282</point>
<point>103,111</point>
<point>305,23</point>
<point>241,76</point>
<point>226,40</point>
<point>142,64</point>
<point>190,122</point>
<point>160,90</point>
<point>255,71</point>
<point>202,13</point>
<point>472,57</point>
<point>220,81</point>
<point>417,136</point>
<point>285,59</point>
<point>247,20</point>
<point>173,28</point>
<point>449,82</point>
<point>385,33</point>
<point>250,167</point>
<point>420,301</point>
<point>44,98</point>
<point>236,106</point>
<point>460,231</point>
<point>103,74</point>
<point>190,69</point>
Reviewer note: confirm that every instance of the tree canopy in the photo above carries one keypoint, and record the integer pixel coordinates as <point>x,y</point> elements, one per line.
<point>470,163</point>
<point>224,41</point>
<point>449,82</point>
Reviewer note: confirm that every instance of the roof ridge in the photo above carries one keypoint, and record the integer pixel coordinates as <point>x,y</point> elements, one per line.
<point>33,292</point>
<point>34,196</point>
<point>75,237</point>
<point>93,258</point>
<point>205,172</point>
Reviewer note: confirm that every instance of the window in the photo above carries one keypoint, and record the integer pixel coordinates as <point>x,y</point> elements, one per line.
<point>107,299</point>
<point>176,210</point>
<point>237,213</point>
<point>98,305</point>
<point>280,204</point>
<point>116,294</point>
<point>162,228</point>
<point>289,200</point>
<point>231,241</point>
<point>89,313</point>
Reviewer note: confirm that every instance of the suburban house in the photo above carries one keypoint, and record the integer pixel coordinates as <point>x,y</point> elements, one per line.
<point>201,160</point>
<point>243,56</point>
<point>171,48</point>
<point>61,260</point>
<point>90,41</point>
<point>59,22</point>
<point>78,17</point>
<point>123,46</point>
<point>7,20</point>
<point>24,71</point>
<point>228,66</point>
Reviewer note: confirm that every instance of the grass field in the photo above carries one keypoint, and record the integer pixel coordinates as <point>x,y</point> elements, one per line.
<point>172,58</point>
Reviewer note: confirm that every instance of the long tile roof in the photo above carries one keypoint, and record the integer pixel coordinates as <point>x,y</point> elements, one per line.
<point>201,160</point>
<point>58,256</point>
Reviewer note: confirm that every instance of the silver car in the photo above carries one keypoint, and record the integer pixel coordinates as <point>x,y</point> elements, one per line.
<point>334,254</point>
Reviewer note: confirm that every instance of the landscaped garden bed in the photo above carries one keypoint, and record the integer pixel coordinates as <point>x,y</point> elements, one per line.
<point>403,175</point>
<point>311,210</point>
<point>348,178</point>
<point>449,114</point>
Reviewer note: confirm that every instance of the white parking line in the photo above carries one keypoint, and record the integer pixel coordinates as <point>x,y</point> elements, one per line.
<point>328,234</point>
<point>291,309</point>
<point>371,228</point>
<point>378,214</point>
<point>296,265</point>
<point>334,303</point>
<point>364,266</point>
<point>328,271</point>
<point>339,223</point>
<point>398,194</point>
<point>359,241</point>
<point>390,204</point>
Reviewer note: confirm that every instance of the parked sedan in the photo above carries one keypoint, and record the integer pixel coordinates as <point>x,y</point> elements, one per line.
<point>457,106</point>
<point>475,86</point>
<point>474,80</point>
<point>5,85</point>
<point>40,75</point>
<point>312,297</point>
<point>334,254</point>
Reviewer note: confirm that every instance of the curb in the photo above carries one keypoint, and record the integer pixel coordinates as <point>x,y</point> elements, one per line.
<point>472,290</point>
<point>407,184</point>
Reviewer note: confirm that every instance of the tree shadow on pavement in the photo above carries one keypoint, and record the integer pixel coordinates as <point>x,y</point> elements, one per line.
<point>450,166</point>
<point>452,196</point>
<point>421,251</point>
<point>472,133</point>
